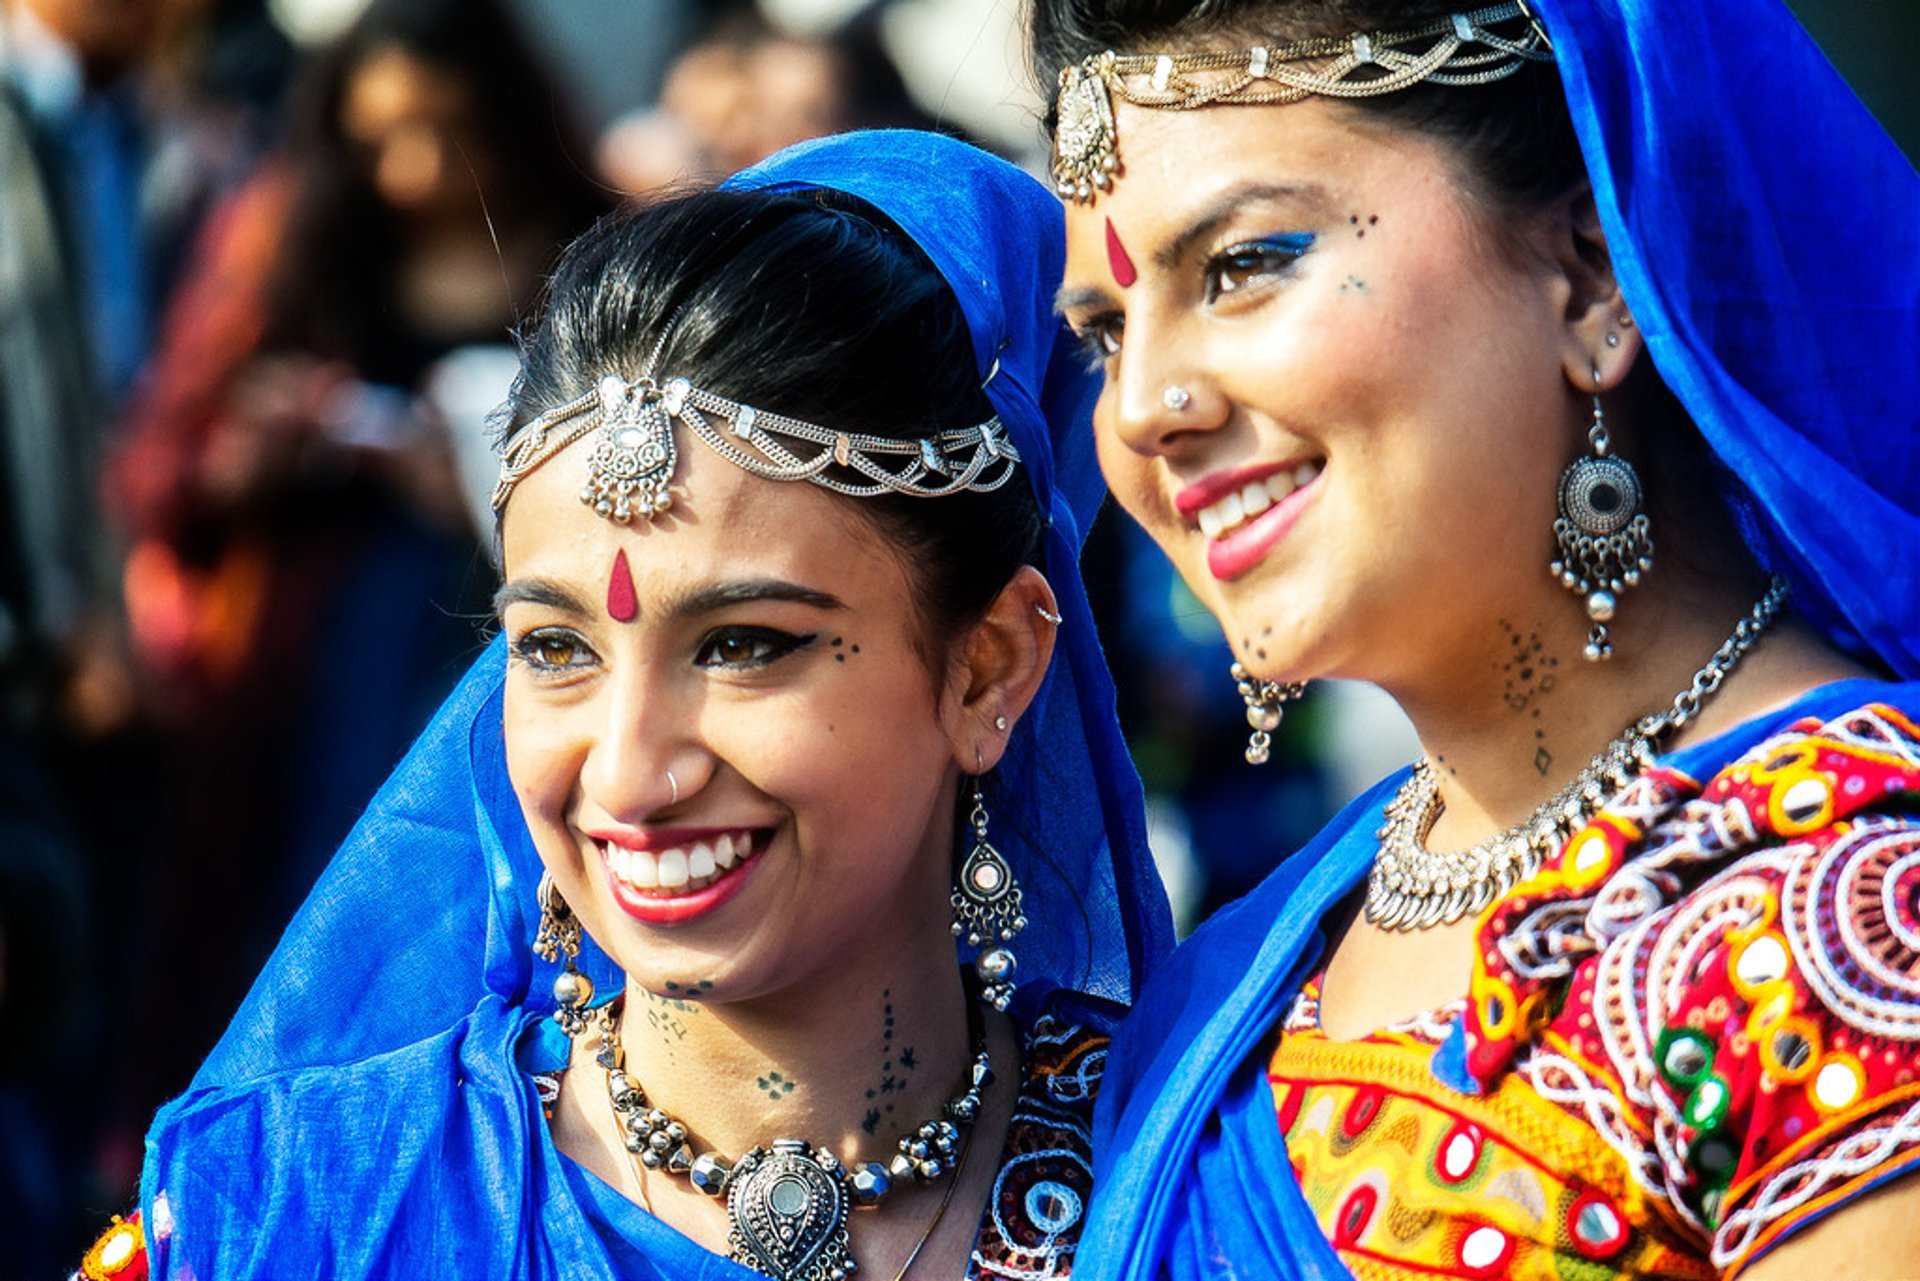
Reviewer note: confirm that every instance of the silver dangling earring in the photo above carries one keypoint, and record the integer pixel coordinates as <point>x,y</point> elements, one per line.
<point>560,933</point>
<point>986,909</point>
<point>1605,539</point>
<point>1264,700</point>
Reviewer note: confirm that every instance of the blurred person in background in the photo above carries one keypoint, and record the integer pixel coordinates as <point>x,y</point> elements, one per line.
<point>300,575</point>
<point>745,89</point>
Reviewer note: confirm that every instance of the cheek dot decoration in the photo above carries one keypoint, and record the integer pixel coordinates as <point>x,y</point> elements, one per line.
<point>1604,539</point>
<point>622,604</point>
<point>1118,260</point>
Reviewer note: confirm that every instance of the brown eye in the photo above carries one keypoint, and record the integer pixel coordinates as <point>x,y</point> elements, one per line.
<point>551,649</point>
<point>1245,265</point>
<point>741,648</point>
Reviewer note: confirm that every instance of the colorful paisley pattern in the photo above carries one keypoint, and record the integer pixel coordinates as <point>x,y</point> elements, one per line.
<point>1693,1031</point>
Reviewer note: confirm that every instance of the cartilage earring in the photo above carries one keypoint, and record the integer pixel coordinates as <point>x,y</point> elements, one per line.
<point>1264,700</point>
<point>1605,539</point>
<point>560,933</point>
<point>986,909</point>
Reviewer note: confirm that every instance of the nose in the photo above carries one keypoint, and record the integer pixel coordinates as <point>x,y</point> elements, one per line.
<point>645,762</point>
<point>1162,401</point>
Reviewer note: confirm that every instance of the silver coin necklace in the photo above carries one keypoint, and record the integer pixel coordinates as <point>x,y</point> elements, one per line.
<point>788,1201</point>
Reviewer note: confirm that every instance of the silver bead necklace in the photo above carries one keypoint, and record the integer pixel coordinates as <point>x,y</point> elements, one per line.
<point>1411,887</point>
<point>787,1202</point>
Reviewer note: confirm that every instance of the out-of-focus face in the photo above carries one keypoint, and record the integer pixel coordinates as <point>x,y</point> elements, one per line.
<point>1376,407</point>
<point>413,125</point>
<point>759,641</point>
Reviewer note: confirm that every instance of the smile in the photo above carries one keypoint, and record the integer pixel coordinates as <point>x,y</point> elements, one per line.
<point>1256,496</point>
<point>680,881</point>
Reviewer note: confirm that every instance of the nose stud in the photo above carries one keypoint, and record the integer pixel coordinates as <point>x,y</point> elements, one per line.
<point>1176,398</point>
<point>674,785</point>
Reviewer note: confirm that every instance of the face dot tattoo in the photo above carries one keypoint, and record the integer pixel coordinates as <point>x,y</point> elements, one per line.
<point>1527,675</point>
<point>886,1083</point>
<point>1118,260</point>
<point>775,1086</point>
<point>623,606</point>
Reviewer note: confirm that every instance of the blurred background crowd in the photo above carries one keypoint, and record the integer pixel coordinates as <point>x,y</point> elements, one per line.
<point>261,264</point>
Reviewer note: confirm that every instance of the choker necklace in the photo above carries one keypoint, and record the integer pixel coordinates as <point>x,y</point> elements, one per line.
<point>787,1202</point>
<point>1411,887</point>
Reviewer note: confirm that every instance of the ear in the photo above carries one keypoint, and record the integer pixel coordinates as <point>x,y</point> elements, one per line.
<point>1000,667</point>
<point>1600,333</point>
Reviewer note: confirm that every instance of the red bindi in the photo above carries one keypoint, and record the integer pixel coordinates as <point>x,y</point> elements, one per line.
<point>1117,259</point>
<point>622,605</point>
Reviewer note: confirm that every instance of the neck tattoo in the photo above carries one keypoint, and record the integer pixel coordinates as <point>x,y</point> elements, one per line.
<point>788,1201</point>
<point>1118,260</point>
<point>1411,887</point>
<point>623,606</point>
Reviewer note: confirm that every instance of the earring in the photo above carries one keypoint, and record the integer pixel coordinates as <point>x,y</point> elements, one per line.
<point>1605,540</point>
<point>1264,699</point>
<point>986,909</point>
<point>560,933</point>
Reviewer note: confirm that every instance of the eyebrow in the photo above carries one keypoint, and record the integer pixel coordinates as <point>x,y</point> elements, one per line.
<point>704,600</point>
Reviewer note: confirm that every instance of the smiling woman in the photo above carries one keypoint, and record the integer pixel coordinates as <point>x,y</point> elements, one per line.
<point>1523,359</point>
<point>789,508</point>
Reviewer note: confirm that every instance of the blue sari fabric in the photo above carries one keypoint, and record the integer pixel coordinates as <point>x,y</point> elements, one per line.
<point>368,1113</point>
<point>1767,236</point>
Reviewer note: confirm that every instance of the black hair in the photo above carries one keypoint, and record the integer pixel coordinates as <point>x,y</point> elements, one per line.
<point>812,305</point>
<point>1514,142</point>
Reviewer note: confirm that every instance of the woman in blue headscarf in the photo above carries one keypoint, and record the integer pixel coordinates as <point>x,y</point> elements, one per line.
<point>748,756</point>
<point>1549,365</point>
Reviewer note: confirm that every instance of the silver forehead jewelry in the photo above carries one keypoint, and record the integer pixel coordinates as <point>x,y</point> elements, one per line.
<point>1604,539</point>
<point>987,912</point>
<point>1411,887</point>
<point>788,1201</point>
<point>558,934</point>
<point>1176,398</point>
<point>633,462</point>
<point>1265,700</point>
<point>1458,49</point>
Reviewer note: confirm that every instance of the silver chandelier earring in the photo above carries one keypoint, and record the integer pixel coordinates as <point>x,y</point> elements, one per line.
<point>1264,700</point>
<point>559,934</point>
<point>986,909</point>
<point>1604,538</point>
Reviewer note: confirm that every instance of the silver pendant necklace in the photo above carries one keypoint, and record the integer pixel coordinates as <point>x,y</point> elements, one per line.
<point>1410,887</point>
<point>788,1201</point>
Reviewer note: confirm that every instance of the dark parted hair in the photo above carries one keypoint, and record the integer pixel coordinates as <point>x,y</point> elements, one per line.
<point>809,304</point>
<point>1514,142</point>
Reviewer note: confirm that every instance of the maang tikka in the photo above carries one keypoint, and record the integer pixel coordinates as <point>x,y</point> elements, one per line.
<point>986,909</point>
<point>1264,700</point>
<point>1604,538</point>
<point>559,933</point>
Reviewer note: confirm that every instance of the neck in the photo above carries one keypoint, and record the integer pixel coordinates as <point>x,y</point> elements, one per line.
<point>864,1056</point>
<point>1524,712</point>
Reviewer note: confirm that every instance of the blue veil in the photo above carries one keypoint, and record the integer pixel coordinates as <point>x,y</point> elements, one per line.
<point>1767,236</point>
<point>364,1115</point>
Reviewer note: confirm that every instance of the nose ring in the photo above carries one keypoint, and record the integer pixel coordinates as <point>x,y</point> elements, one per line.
<point>1176,398</point>
<point>674,784</point>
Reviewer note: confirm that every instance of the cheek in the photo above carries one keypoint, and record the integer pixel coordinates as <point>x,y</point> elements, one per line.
<point>544,772</point>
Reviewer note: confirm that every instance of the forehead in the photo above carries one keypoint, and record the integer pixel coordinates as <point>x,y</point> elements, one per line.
<point>724,523</point>
<point>1311,159</point>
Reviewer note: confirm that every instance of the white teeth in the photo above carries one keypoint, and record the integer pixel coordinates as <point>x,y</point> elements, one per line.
<point>644,869</point>
<point>681,870</point>
<point>1255,497</point>
<point>700,861</point>
<point>673,869</point>
<point>723,853</point>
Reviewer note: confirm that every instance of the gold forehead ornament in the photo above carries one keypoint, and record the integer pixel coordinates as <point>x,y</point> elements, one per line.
<point>1459,49</point>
